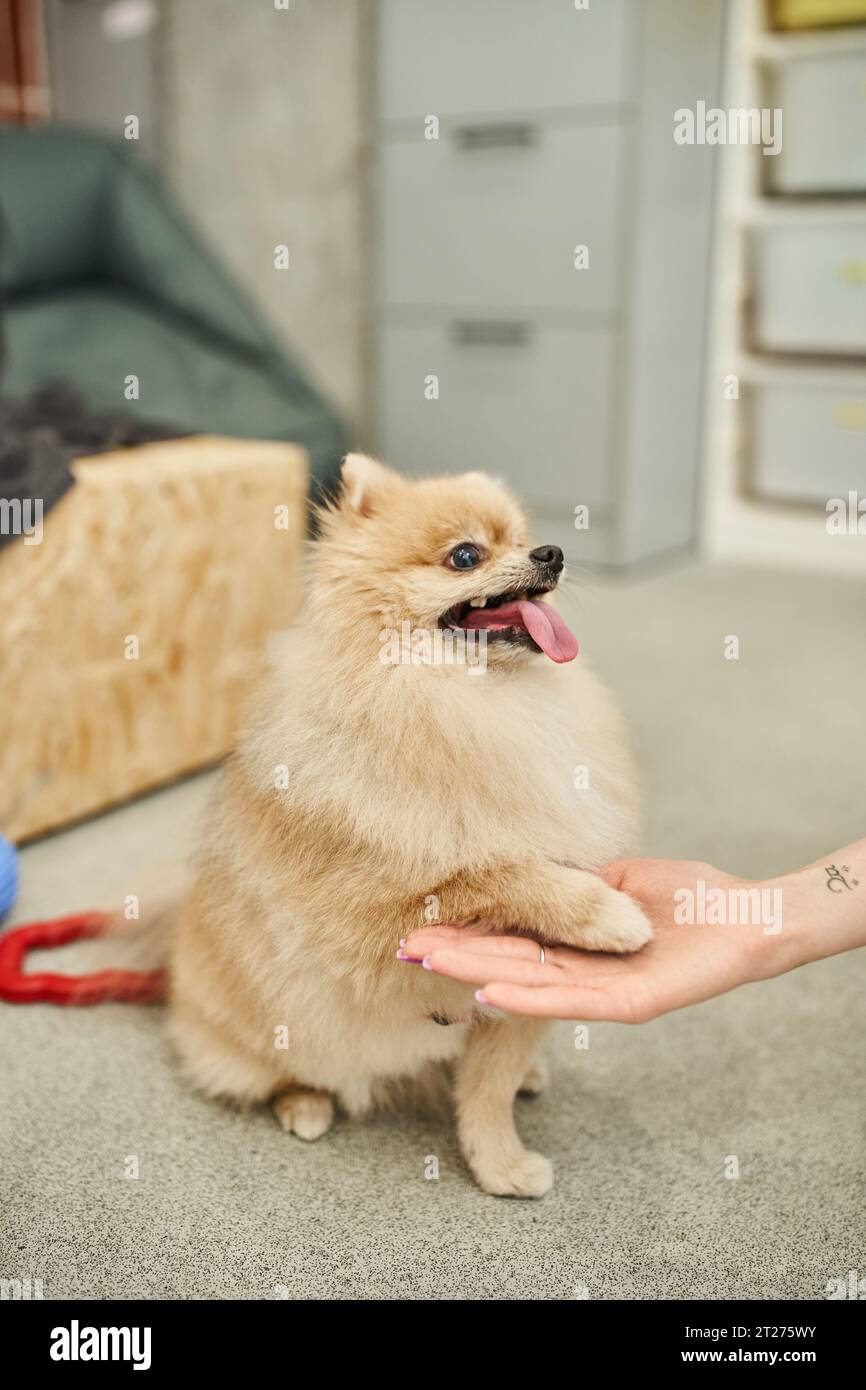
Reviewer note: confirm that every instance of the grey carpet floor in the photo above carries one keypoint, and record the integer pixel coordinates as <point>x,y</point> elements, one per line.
<point>756,764</point>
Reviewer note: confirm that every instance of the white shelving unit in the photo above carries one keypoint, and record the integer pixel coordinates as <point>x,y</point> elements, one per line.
<point>737,524</point>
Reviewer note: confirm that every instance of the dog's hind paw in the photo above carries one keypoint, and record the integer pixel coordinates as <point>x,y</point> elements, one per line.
<point>524,1174</point>
<point>308,1114</point>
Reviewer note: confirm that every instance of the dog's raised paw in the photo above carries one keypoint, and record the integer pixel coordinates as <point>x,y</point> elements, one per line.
<point>617,925</point>
<point>522,1175</point>
<point>307,1114</point>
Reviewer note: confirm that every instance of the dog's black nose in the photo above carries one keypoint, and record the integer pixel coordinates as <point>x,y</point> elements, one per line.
<point>550,556</point>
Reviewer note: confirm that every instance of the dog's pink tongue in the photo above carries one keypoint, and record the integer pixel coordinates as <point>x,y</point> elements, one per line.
<point>542,622</point>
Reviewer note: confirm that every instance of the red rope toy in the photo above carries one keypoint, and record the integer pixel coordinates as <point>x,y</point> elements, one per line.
<point>126,986</point>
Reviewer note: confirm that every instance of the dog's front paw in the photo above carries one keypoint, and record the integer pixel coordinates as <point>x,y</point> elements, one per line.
<point>618,924</point>
<point>522,1174</point>
<point>308,1114</point>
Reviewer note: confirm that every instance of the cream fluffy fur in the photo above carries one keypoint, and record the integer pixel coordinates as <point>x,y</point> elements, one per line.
<point>362,793</point>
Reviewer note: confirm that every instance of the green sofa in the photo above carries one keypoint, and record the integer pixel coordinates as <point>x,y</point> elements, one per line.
<point>101,278</point>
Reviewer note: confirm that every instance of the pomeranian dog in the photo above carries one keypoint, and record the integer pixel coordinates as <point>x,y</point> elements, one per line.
<point>369,796</point>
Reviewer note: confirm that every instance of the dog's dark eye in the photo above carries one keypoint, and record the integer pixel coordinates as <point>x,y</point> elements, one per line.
<point>464,557</point>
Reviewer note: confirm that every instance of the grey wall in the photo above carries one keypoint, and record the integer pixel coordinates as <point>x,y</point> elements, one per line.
<point>263,131</point>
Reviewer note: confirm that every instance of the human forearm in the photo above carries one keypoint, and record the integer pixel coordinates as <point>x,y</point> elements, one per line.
<point>823,910</point>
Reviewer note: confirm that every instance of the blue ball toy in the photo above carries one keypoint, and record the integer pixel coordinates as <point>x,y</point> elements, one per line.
<point>8,876</point>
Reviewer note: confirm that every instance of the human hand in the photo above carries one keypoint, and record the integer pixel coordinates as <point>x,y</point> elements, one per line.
<point>683,964</point>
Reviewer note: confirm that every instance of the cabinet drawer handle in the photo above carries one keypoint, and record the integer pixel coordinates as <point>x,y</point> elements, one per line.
<point>490,333</point>
<point>497,135</point>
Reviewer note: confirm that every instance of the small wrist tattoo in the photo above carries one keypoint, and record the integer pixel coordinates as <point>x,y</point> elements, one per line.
<point>836,880</point>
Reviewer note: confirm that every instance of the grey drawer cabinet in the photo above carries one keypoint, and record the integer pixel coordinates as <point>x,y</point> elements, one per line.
<point>529,400</point>
<point>462,225</point>
<point>544,249</point>
<point>475,56</point>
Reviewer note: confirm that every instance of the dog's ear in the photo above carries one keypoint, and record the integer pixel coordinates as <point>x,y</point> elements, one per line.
<point>366,483</point>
